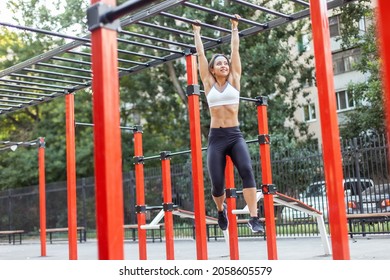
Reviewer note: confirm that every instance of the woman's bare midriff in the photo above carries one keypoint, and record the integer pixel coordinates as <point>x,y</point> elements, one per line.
<point>224,116</point>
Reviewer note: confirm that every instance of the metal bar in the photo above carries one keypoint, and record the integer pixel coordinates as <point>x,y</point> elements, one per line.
<point>14,101</point>
<point>151,11</point>
<point>91,124</point>
<point>152,38</point>
<point>46,79</point>
<point>191,21</point>
<point>208,10</point>
<point>20,97</point>
<point>138,54</point>
<point>301,2</point>
<point>64,67</point>
<point>25,92</point>
<point>264,9</point>
<point>124,9</point>
<point>30,83</point>
<point>56,73</point>
<point>11,106</point>
<point>26,87</point>
<point>172,30</point>
<point>71,60</point>
<point>42,57</point>
<point>46,32</point>
<point>148,46</point>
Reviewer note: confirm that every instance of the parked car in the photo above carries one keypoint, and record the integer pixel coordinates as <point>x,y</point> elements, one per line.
<point>375,199</point>
<point>315,196</point>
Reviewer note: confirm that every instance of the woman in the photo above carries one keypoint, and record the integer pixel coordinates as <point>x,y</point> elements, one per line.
<point>221,82</point>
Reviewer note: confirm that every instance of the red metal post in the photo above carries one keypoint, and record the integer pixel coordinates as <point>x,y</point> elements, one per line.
<point>42,194</point>
<point>168,206</point>
<point>71,176</point>
<point>384,47</point>
<point>196,157</point>
<point>140,193</point>
<point>266,172</point>
<point>107,142</point>
<point>231,204</point>
<point>330,130</point>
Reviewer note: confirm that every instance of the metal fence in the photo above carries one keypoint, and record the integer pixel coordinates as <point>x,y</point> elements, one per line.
<point>293,171</point>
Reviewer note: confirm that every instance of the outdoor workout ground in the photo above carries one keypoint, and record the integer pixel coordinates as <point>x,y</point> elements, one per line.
<point>303,248</point>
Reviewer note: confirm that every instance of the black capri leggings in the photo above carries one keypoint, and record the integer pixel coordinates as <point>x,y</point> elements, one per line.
<point>224,142</point>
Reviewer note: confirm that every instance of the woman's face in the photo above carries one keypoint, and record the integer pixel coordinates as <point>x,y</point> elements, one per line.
<point>221,66</point>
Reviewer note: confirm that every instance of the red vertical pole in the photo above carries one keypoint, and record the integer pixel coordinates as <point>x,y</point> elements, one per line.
<point>329,129</point>
<point>196,157</point>
<point>231,204</point>
<point>384,49</point>
<point>266,172</point>
<point>168,205</point>
<point>140,192</point>
<point>107,141</point>
<point>42,194</point>
<point>71,176</point>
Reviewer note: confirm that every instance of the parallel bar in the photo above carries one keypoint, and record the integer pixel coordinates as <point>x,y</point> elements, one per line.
<point>175,31</point>
<point>25,92</point>
<point>124,9</point>
<point>25,87</point>
<point>147,37</point>
<point>208,10</point>
<point>46,79</point>
<point>191,21</point>
<point>257,7</point>
<point>30,70</point>
<point>301,2</point>
<point>46,32</point>
<point>64,67</point>
<point>149,46</point>
<point>31,83</point>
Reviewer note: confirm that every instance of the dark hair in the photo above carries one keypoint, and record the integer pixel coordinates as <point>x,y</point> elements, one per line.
<point>215,56</point>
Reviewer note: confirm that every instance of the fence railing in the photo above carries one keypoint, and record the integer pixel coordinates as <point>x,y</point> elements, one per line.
<point>293,172</point>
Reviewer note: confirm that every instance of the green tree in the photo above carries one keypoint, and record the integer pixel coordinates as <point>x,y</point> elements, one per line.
<point>369,112</point>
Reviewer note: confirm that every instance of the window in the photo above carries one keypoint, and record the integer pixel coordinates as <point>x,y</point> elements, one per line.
<point>303,43</point>
<point>345,61</point>
<point>334,26</point>
<point>344,99</point>
<point>309,112</point>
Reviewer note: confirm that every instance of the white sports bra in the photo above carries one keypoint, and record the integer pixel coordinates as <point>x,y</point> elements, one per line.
<point>229,96</point>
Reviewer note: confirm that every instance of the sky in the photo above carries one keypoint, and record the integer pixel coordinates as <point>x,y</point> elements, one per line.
<point>4,15</point>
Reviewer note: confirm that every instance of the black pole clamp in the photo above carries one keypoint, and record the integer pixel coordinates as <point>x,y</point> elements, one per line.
<point>264,139</point>
<point>138,160</point>
<point>165,155</point>
<point>261,101</point>
<point>268,189</point>
<point>140,209</point>
<point>168,207</point>
<point>193,89</point>
<point>96,17</point>
<point>231,193</point>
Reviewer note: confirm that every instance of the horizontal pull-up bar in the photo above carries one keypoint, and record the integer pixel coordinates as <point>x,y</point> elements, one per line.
<point>124,9</point>
<point>132,128</point>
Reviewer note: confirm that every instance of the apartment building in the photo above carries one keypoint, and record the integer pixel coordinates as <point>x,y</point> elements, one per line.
<point>344,74</point>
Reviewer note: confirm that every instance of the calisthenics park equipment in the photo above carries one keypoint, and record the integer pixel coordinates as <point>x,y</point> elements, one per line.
<point>45,77</point>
